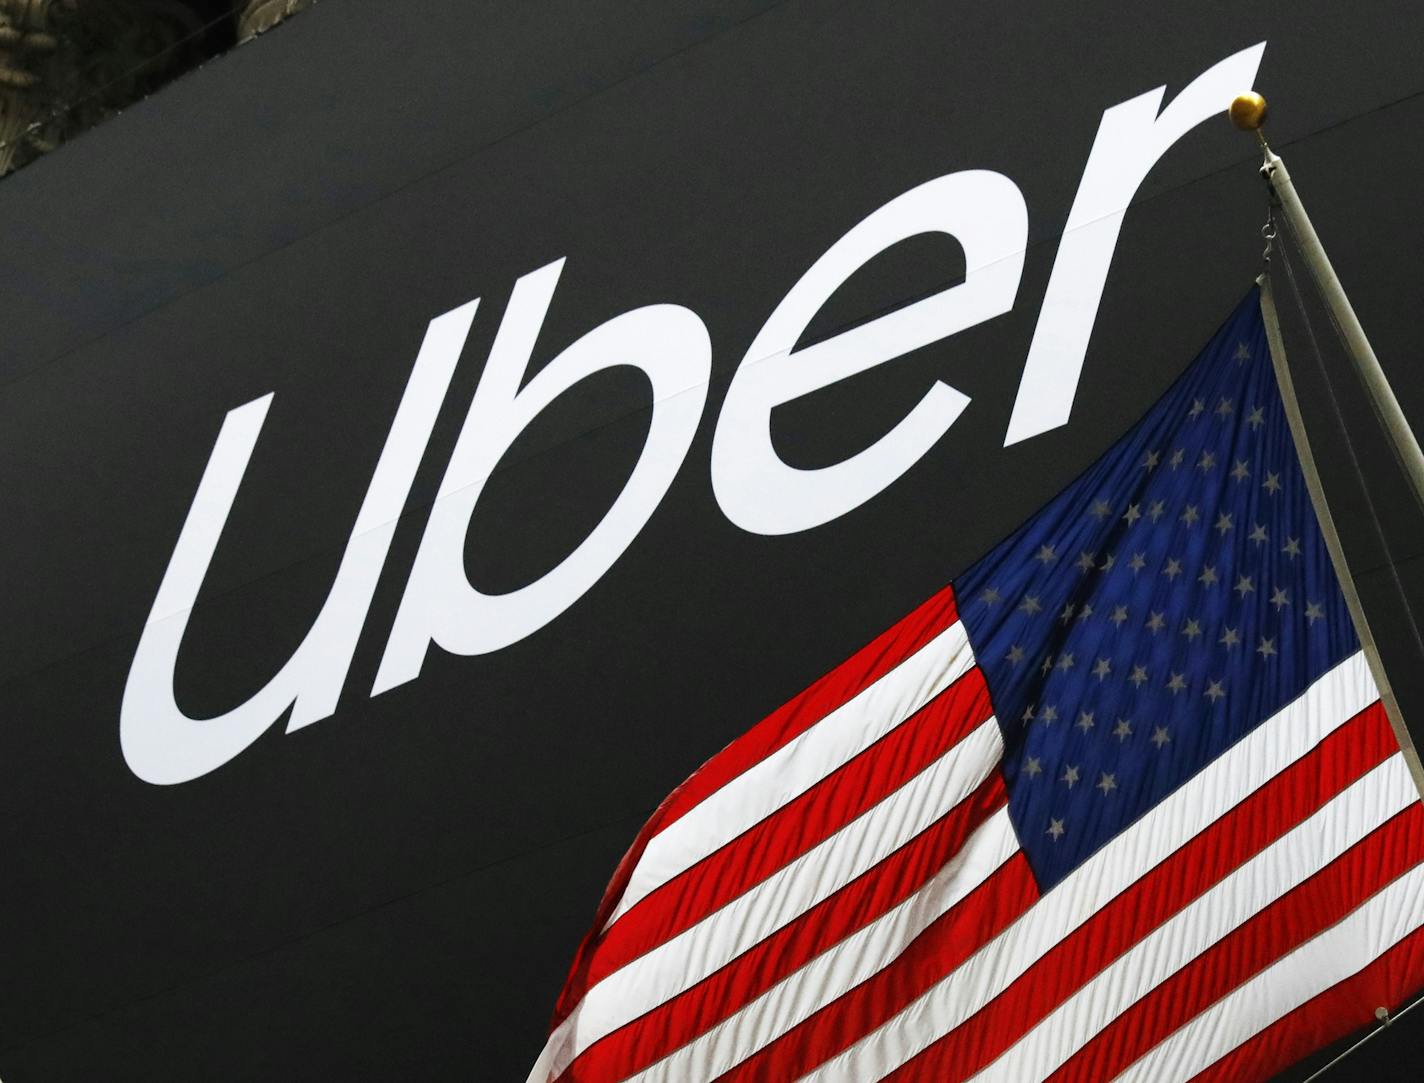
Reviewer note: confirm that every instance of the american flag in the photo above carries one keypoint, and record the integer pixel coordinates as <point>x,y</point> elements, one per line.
<point>1120,803</point>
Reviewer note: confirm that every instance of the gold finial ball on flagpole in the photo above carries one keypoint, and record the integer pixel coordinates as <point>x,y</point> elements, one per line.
<point>1248,111</point>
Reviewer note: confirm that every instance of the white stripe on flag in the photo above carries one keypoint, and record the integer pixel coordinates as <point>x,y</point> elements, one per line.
<point>677,964</point>
<point>1339,952</point>
<point>835,972</point>
<point>798,765</point>
<point>1334,699</point>
<point>1293,858</point>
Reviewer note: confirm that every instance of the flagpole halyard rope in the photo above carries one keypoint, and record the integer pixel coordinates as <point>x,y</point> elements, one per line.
<point>1332,537</point>
<point>1248,112</point>
<point>1390,561</point>
<point>1352,334</point>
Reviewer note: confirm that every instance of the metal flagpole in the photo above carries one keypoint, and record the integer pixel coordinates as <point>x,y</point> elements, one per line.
<point>1248,112</point>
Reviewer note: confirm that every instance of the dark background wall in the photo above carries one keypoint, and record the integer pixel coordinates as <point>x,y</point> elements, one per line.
<point>395,892</point>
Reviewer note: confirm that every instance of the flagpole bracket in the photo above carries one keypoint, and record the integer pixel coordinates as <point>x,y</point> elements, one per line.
<point>1248,112</point>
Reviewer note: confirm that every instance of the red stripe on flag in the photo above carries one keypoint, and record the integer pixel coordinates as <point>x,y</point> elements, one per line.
<point>1326,1018</point>
<point>1264,816</point>
<point>944,945</point>
<point>1296,917</point>
<point>695,1011</point>
<point>802,823</point>
<point>786,723</point>
<point>860,671</point>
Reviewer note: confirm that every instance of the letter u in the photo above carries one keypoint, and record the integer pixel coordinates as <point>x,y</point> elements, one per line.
<point>163,745</point>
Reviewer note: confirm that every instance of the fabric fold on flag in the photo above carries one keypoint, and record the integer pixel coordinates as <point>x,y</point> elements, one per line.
<point>1119,803</point>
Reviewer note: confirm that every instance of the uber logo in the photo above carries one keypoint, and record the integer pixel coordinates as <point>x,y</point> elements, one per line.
<point>755,489</point>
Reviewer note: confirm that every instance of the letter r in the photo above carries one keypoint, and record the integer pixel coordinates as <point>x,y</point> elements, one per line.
<point>1131,138</point>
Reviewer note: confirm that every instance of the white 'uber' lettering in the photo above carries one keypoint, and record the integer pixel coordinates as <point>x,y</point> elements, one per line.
<point>669,345</point>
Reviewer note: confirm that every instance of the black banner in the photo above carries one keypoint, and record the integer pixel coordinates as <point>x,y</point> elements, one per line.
<point>390,881</point>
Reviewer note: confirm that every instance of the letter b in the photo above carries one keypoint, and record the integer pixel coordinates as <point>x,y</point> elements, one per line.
<point>670,345</point>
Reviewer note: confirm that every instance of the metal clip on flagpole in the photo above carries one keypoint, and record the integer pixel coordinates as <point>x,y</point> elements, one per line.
<point>1248,112</point>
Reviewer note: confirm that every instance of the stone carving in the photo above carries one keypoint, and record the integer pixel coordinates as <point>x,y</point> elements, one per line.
<point>25,40</point>
<point>66,65</point>
<point>260,15</point>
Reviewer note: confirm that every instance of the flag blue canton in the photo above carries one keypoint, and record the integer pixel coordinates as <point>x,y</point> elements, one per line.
<point>1170,600</point>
